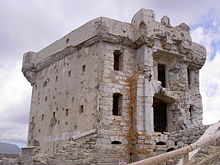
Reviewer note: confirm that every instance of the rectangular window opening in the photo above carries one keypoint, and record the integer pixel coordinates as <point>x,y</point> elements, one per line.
<point>42,117</point>
<point>84,68</point>
<point>69,73</point>
<point>189,76</point>
<point>117,60</point>
<point>162,74</point>
<point>191,111</point>
<point>81,109</point>
<point>66,112</point>
<point>117,104</point>
<point>32,120</point>
<point>160,115</point>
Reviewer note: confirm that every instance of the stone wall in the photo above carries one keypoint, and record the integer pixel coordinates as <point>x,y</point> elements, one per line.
<point>105,75</point>
<point>177,139</point>
<point>60,109</point>
<point>90,148</point>
<point>8,159</point>
<point>87,149</point>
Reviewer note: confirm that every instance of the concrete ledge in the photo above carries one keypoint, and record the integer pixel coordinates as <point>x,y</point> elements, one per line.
<point>83,134</point>
<point>29,151</point>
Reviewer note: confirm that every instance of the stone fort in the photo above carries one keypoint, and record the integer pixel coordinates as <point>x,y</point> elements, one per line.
<point>112,91</point>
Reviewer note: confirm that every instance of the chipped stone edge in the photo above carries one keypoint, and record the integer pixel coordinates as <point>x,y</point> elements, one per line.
<point>83,134</point>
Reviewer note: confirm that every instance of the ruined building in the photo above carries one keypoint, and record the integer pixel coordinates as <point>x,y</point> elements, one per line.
<point>123,91</point>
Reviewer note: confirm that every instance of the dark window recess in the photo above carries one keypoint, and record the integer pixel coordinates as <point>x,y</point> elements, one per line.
<point>67,40</point>
<point>117,104</point>
<point>115,142</point>
<point>42,117</point>
<point>83,68</point>
<point>131,159</point>
<point>32,119</point>
<point>162,74</point>
<point>66,112</point>
<point>81,109</point>
<point>160,143</point>
<point>189,76</point>
<point>170,149</point>
<point>117,60</point>
<point>54,114</point>
<point>67,93</point>
<point>45,84</point>
<point>191,112</point>
<point>69,73</point>
<point>56,78</point>
<point>160,116</point>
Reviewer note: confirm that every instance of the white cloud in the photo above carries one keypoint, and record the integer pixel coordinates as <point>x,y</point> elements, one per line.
<point>210,89</point>
<point>207,35</point>
<point>204,37</point>
<point>210,73</point>
<point>14,104</point>
<point>15,132</point>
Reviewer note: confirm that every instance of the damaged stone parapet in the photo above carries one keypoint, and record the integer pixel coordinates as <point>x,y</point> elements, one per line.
<point>143,30</point>
<point>28,67</point>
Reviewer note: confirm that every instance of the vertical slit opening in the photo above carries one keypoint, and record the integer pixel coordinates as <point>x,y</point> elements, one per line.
<point>189,77</point>
<point>162,74</point>
<point>191,112</point>
<point>81,109</point>
<point>84,68</point>
<point>66,112</point>
<point>42,117</point>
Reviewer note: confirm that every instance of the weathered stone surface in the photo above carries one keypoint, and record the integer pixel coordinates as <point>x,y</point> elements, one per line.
<point>114,77</point>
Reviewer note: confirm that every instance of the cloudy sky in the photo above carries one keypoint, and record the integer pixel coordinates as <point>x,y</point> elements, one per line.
<point>33,24</point>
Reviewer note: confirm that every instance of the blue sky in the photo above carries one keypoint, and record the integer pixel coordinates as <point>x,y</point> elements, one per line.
<point>33,24</point>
